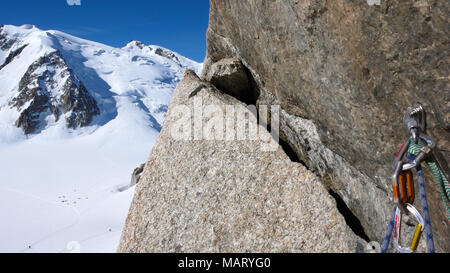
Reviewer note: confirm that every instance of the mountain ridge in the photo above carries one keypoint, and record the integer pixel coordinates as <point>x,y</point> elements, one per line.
<point>92,112</point>
<point>96,76</point>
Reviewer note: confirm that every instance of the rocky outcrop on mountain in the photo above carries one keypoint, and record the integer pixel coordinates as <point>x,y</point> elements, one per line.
<point>138,44</point>
<point>231,76</point>
<point>136,175</point>
<point>167,54</point>
<point>12,55</point>
<point>344,72</point>
<point>50,88</point>
<point>5,42</point>
<point>199,195</point>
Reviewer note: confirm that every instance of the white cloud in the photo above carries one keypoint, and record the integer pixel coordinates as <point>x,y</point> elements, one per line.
<point>74,2</point>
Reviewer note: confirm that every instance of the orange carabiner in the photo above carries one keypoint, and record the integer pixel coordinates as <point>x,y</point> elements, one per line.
<point>405,188</point>
<point>402,188</point>
<point>410,186</point>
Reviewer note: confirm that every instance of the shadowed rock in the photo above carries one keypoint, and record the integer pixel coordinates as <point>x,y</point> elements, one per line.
<point>136,175</point>
<point>229,75</point>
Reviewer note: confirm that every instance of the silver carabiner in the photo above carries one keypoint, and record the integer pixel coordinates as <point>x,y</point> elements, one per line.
<point>431,144</point>
<point>397,229</point>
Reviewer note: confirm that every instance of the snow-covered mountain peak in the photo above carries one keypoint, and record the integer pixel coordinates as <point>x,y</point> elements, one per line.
<point>160,52</point>
<point>76,117</point>
<point>135,44</point>
<point>49,74</point>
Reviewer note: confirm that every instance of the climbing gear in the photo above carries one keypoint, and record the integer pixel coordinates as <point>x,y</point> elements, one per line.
<point>406,187</point>
<point>424,203</point>
<point>402,186</point>
<point>397,229</point>
<point>396,184</point>
<point>440,178</point>
<point>414,121</point>
<point>387,238</point>
<point>417,148</point>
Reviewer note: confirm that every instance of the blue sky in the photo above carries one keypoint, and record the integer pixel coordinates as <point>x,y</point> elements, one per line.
<point>179,25</point>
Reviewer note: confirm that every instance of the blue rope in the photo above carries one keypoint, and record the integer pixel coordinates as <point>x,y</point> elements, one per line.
<point>425,211</point>
<point>387,238</point>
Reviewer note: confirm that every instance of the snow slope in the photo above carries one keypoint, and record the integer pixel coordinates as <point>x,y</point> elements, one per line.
<point>62,189</point>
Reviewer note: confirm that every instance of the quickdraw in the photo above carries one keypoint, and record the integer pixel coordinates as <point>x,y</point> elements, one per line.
<point>403,186</point>
<point>403,183</point>
<point>397,229</point>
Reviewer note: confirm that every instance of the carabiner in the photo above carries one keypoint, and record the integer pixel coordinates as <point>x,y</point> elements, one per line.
<point>406,187</point>
<point>395,184</point>
<point>402,186</point>
<point>431,144</point>
<point>397,229</point>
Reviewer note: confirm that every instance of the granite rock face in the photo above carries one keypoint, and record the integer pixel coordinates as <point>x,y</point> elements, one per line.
<point>344,72</point>
<point>199,195</point>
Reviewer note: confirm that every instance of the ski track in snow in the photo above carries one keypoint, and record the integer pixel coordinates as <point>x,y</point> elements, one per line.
<point>50,202</point>
<point>66,186</point>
